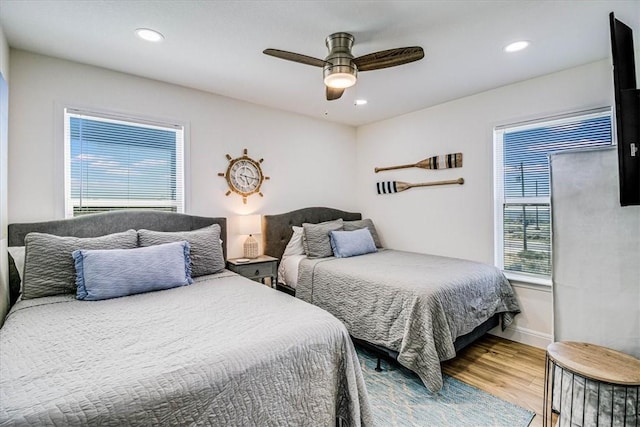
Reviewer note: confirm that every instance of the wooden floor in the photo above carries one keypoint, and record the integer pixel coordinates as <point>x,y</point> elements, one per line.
<point>506,369</point>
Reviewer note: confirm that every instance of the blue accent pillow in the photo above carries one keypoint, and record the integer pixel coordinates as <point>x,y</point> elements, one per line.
<point>351,243</point>
<point>111,273</point>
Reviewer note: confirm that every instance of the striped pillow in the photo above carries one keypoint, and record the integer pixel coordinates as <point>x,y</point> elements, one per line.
<point>112,273</point>
<point>352,243</point>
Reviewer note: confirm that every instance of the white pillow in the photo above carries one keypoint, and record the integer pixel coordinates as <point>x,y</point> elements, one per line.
<point>295,247</point>
<point>288,270</point>
<point>17,253</point>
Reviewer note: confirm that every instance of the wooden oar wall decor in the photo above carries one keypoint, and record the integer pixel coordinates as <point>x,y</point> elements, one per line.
<point>390,187</point>
<point>453,160</point>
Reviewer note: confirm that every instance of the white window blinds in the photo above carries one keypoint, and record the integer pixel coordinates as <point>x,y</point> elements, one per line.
<point>522,185</point>
<point>119,163</point>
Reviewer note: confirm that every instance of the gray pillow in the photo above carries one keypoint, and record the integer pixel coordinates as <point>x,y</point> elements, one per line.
<point>317,243</point>
<point>362,223</point>
<point>206,250</point>
<point>49,268</point>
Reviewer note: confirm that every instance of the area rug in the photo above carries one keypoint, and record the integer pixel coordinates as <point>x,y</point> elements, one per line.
<point>398,398</point>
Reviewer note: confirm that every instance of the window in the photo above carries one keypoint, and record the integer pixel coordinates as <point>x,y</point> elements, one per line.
<point>522,187</point>
<point>114,163</point>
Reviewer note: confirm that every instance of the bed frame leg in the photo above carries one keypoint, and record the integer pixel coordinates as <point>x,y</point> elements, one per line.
<point>378,368</point>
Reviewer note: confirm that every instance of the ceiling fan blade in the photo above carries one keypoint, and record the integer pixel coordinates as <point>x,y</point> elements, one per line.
<point>295,57</point>
<point>389,58</point>
<point>333,93</point>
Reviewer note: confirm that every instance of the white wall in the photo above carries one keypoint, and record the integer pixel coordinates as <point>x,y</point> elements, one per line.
<point>458,220</point>
<point>596,253</point>
<point>4,268</point>
<point>310,161</point>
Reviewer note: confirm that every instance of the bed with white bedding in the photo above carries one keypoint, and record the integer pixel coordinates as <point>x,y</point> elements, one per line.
<point>423,308</point>
<point>221,351</point>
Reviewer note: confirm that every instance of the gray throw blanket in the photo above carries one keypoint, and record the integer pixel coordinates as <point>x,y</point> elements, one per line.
<point>414,304</point>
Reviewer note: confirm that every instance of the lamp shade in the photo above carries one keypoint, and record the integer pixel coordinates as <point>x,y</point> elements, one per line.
<point>249,224</point>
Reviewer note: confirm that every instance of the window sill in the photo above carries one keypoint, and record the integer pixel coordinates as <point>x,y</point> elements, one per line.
<point>527,279</point>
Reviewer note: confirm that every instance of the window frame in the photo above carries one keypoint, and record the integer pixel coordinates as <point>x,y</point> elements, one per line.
<point>500,201</point>
<point>182,153</point>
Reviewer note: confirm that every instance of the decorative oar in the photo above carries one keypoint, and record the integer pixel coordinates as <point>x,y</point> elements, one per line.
<point>389,187</point>
<point>453,160</point>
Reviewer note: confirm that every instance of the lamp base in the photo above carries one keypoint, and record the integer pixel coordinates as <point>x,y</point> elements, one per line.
<point>251,247</point>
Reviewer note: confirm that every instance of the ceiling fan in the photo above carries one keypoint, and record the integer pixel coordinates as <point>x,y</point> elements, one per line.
<point>340,68</point>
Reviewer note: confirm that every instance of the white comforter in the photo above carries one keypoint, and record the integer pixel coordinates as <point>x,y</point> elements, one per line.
<point>223,351</point>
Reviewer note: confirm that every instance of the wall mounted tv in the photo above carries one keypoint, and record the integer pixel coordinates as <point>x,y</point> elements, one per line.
<point>627,111</point>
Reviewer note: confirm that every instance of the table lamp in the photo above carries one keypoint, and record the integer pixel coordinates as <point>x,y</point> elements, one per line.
<point>250,225</point>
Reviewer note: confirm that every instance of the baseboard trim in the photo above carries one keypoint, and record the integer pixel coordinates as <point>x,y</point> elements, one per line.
<point>524,336</point>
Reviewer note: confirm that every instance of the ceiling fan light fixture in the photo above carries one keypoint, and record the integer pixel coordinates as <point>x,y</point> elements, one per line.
<point>340,80</point>
<point>341,73</point>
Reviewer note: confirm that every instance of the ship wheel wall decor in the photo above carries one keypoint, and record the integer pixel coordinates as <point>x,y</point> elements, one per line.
<point>244,176</point>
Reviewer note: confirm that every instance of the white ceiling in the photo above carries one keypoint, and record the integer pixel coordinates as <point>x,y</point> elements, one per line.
<point>216,46</point>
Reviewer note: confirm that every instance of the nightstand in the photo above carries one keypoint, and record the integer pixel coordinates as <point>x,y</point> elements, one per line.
<point>257,269</point>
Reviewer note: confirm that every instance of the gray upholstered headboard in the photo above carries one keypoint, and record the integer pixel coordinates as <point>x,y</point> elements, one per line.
<point>108,223</point>
<point>277,231</point>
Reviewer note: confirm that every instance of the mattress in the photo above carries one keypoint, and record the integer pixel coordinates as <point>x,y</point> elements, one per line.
<point>414,304</point>
<point>223,351</point>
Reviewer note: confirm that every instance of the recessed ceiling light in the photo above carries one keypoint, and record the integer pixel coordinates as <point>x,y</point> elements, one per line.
<point>360,102</point>
<point>149,35</point>
<point>516,46</point>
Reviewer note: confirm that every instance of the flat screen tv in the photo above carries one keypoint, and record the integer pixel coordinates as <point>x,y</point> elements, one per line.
<point>627,111</point>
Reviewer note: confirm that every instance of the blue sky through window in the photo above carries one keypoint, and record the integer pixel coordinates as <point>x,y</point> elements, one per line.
<point>120,161</point>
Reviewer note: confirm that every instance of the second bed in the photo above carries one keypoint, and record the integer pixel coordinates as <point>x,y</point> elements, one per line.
<point>421,307</point>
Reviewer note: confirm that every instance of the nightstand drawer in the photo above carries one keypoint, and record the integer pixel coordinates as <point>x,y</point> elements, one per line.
<point>259,269</point>
<point>256,270</point>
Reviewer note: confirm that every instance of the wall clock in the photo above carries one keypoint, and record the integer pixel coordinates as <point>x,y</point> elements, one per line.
<point>244,176</point>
